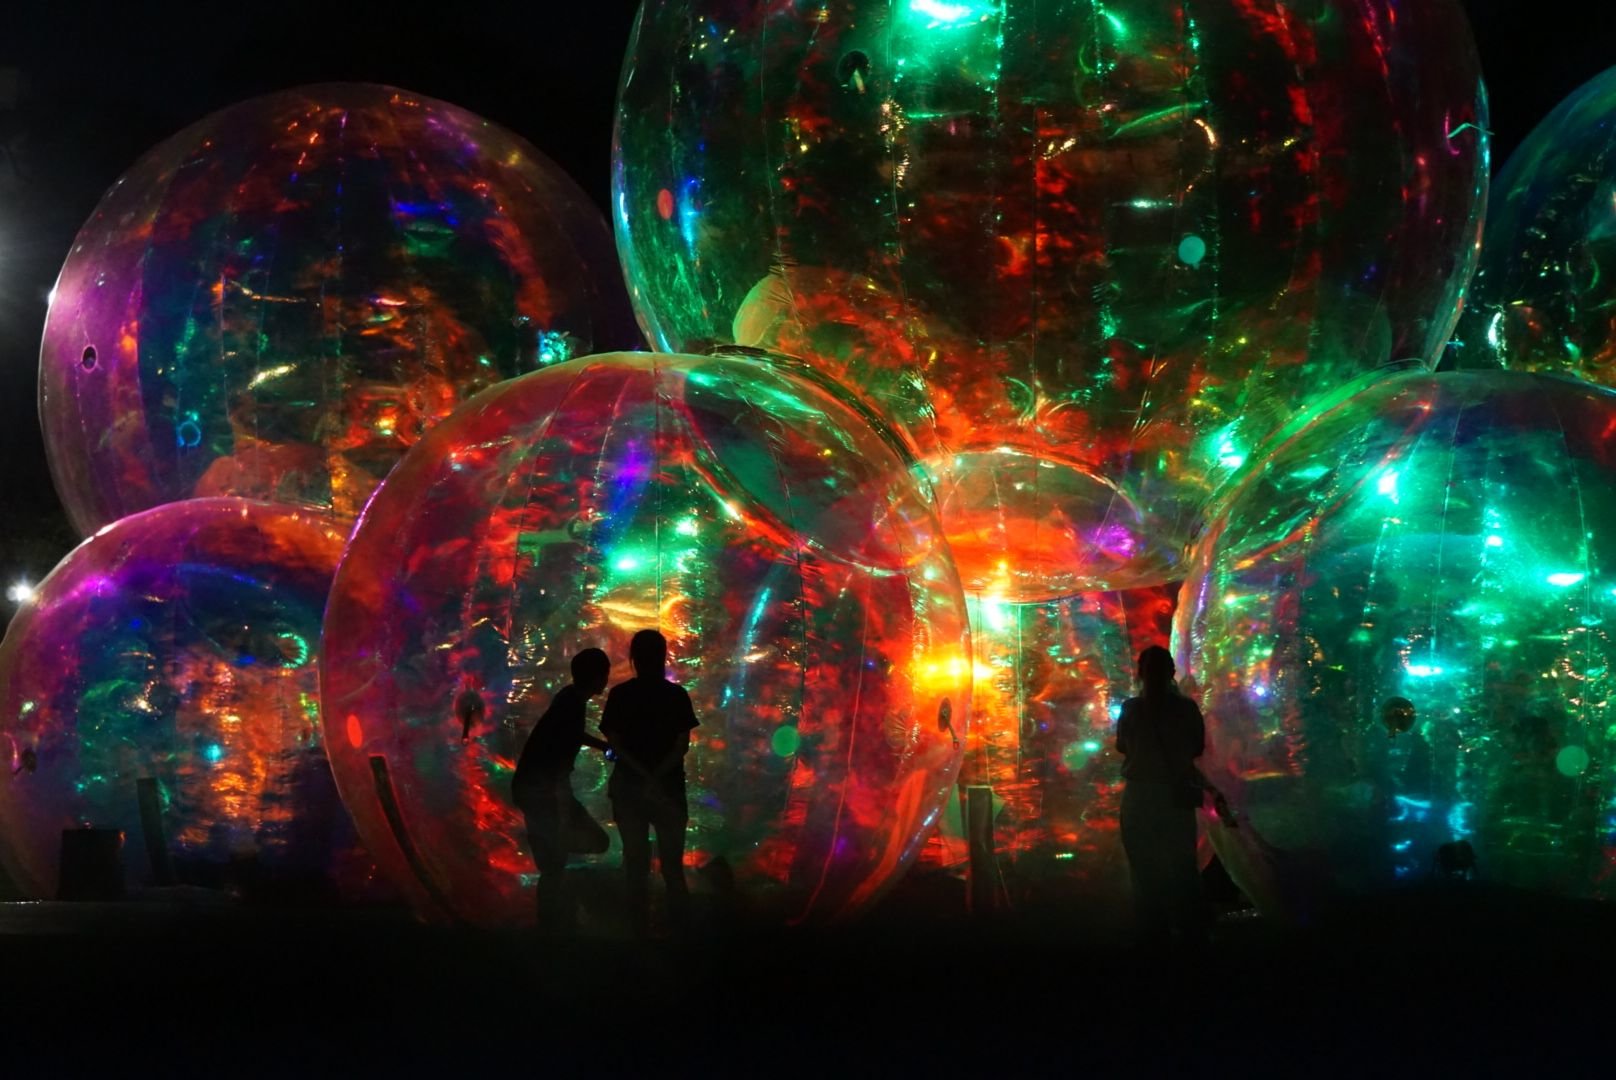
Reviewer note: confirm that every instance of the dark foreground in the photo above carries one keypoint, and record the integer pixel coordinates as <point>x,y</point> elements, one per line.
<point>1439,983</point>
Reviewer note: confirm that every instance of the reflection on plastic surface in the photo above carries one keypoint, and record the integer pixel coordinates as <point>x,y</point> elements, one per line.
<point>276,301</point>
<point>1086,257</point>
<point>760,523</point>
<point>1049,682</point>
<point>171,658</point>
<point>1544,288</point>
<point>1398,631</point>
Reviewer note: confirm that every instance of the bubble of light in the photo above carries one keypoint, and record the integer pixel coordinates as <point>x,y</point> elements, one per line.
<point>1379,678</point>
<point>1543,288</point>
<point>1572,761</point>
<point>277,301</point>
<point>1191,250</point>
<point>163,682</point>
<point>1086,257</point>
<point>1397,714</point>
<point>755,518</point>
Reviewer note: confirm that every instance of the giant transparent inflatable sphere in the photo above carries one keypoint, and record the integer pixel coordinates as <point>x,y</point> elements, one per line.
<point>1049,682</point>
<point>1086,257</point>
<point>276,302</point>
<point>163,682</point>
<point>1542,295</point>
<point>1400,631</point>
<point>772,534</point>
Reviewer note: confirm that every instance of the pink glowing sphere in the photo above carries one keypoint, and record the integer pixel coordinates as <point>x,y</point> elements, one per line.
<point>276,302</point>
<point>767,528</point>
<point>163,682</point>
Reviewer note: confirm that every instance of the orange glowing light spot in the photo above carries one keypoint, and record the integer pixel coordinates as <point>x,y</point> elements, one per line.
<point>945,671</point>
<point>1016,258</point>
<point>664,204</point>
<point>356,734</point>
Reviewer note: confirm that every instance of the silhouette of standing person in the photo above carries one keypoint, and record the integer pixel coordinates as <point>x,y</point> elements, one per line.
<point>648,721</point>
<point>1160,734</point>
<point>470,710</point>
<point>557,822</point>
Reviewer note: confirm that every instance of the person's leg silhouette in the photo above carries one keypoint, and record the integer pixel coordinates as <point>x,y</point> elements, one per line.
<point>670,834</point>
<point>1191,918</point>
<point>544,833</point>
<point>634,827</point>
<point>1150,862</point>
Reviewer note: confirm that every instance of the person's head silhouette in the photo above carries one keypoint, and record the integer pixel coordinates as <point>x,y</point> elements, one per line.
<point>648,651</point>
<point>590,670</point>
<point>1156,669</point>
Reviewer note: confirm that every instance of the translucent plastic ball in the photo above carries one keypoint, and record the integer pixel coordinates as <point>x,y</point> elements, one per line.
<point>1050,680</point>
<point>163,682</point>
<point>1400,628</point>
<point>756,519</point>
<point>276,302</point>
<point>1086,257</point>
<point>1543,290</point>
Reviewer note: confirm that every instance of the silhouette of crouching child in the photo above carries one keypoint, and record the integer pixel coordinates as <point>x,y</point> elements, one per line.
<point>557,823</point>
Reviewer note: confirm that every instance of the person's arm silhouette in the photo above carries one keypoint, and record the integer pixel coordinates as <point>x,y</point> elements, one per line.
<point>1197,726</point>
<point>1197,738</point>
<point>1125,730</point>
<point>674,760</point>
<point>612,721</point>
<point>684,720</point>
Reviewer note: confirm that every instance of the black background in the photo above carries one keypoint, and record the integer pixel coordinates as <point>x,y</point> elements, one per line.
<point>102,83</point>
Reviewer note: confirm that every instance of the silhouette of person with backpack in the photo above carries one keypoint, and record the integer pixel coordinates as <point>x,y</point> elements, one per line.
<point>1160,735</point>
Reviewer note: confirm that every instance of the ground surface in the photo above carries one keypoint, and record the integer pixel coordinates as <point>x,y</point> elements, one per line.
<point>1439,983</point>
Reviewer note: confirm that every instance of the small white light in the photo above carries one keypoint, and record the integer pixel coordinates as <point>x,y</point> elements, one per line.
<point>20,593</point>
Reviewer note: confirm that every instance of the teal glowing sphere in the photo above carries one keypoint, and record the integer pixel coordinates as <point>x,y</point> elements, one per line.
<point>1543,291</point>
<point>1400,629</point>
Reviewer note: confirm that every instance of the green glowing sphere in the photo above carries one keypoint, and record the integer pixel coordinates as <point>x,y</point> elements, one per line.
<point>1398,630</point>
<point>1085,256</point>
<point>1543,292</point>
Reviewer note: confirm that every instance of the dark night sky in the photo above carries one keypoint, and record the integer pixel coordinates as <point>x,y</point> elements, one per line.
<point>102,82</point>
